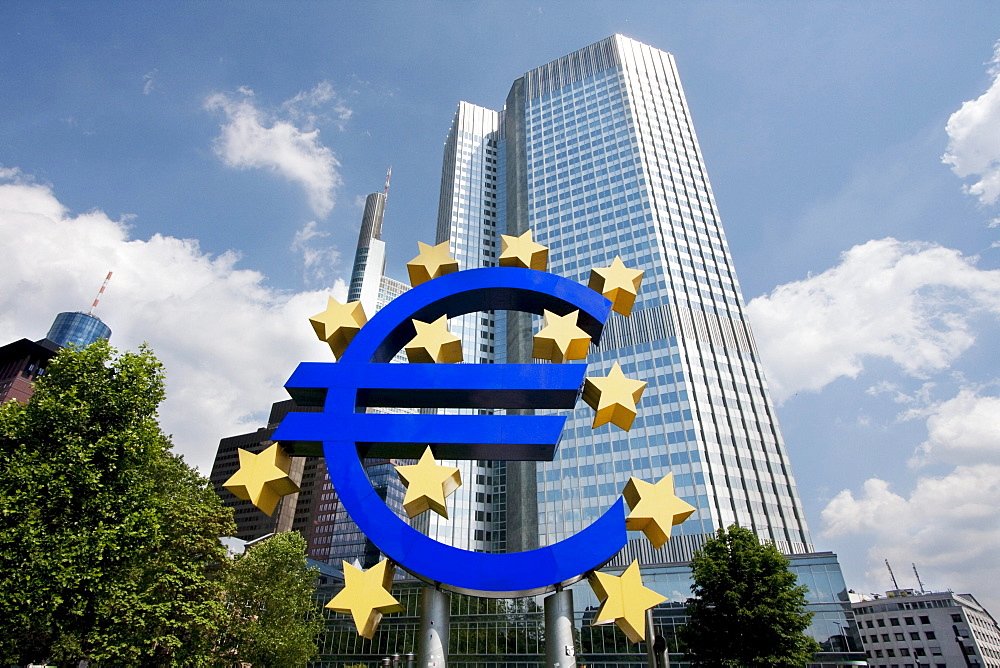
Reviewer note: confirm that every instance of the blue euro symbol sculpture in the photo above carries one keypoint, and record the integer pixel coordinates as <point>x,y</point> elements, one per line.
<point>362,378</point>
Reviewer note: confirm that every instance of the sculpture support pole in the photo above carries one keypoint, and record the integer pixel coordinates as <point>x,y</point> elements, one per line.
<point>560,650</point>
<point>657,652</point>
<point>435,616</point>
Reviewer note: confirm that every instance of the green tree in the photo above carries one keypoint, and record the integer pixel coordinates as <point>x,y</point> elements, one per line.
<point>107,541</point>
<point>168,608</point>
<point>747,610</point>
<point>273,619</point>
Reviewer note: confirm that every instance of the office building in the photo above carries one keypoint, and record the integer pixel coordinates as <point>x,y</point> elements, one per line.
<point>295,511</point>
<point>915,629</point>
<point>21,362</point>
<point>596,154</point>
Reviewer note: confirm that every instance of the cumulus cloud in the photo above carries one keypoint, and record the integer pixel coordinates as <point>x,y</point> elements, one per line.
<point>910,302</point>
<point>964,429</point>
<point>947,525</point>
<point>974,139</point>
<point>228,340</point>
<point>253,138</point>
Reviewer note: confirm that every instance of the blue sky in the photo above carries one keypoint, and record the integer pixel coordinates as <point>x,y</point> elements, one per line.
<point>215,157</point>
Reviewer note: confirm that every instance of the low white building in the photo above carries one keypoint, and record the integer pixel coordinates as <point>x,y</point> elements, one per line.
<point>911,629</point>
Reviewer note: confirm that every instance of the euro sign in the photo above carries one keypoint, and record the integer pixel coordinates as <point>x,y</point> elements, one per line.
<point>345,433</point>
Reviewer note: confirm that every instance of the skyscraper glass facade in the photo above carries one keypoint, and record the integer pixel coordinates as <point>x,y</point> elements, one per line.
<point>470,215</point>
<point>596,154</point>
<point>599,158</point>
<point>78,328</point>
<point>335,536</point>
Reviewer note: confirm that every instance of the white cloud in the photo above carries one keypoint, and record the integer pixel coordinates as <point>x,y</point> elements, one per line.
<point>228,341</point>
<point>252,138</point>
<point>316,259</point>
<point>965,429</point>
<point>10,174</point>
<point>149,81</point>
<point>308,107</point>
<point>910,302</point>
<point>948,526</point>
<point>974,139</point>
<point>948,523</point>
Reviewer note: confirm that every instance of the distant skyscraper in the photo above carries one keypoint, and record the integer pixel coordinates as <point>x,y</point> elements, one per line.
<point>369,284</point>
<point>369,258</point>
<point>78,328</point>
<point>335,535</point>
<point>315,511</point>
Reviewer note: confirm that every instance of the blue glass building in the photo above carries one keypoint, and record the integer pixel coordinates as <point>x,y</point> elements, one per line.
<point>80,329</point>
<point>597,155</point>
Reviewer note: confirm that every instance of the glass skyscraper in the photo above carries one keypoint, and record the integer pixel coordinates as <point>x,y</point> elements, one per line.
<point>335,537</point>
<point>77,328</point>
<point>597,155</point>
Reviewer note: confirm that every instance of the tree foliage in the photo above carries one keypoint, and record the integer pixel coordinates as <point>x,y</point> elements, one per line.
<point>272,618</point>
<point>109,543</point>
<point>747,610</point>
<point>107,540</point>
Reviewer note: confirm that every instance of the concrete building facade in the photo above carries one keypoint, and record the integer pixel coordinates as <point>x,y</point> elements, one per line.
<point>912,629</point>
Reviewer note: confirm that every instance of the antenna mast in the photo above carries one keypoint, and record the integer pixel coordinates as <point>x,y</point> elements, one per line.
<point>918,578</point>
<point>387,175</point>
<point>894,585</point>
<point>100,292</point>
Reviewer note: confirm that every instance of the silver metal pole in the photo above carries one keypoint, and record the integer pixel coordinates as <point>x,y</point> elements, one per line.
<point>435,616</point>
<point>560,650</point>
<point>650,640</point>
<point>657,654</point>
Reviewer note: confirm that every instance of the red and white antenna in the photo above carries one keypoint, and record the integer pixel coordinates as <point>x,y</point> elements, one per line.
<point>100,292</point>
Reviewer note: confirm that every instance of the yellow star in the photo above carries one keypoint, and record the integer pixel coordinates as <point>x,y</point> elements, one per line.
<point>262,479</point>
<point>434,343</point>
<point>427,484</point>
<point>433,261</point>
<point>624,601</point>
<point>618,283</point>
<point>366,596</point>
<point>338,324</point>
<point>613,397</point>
<point>655,508</point>
<point>560,339</point>
<point>522,252</point>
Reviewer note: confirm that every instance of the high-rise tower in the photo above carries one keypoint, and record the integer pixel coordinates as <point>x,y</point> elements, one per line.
<point>315,511</point>
<point>597,155</point>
